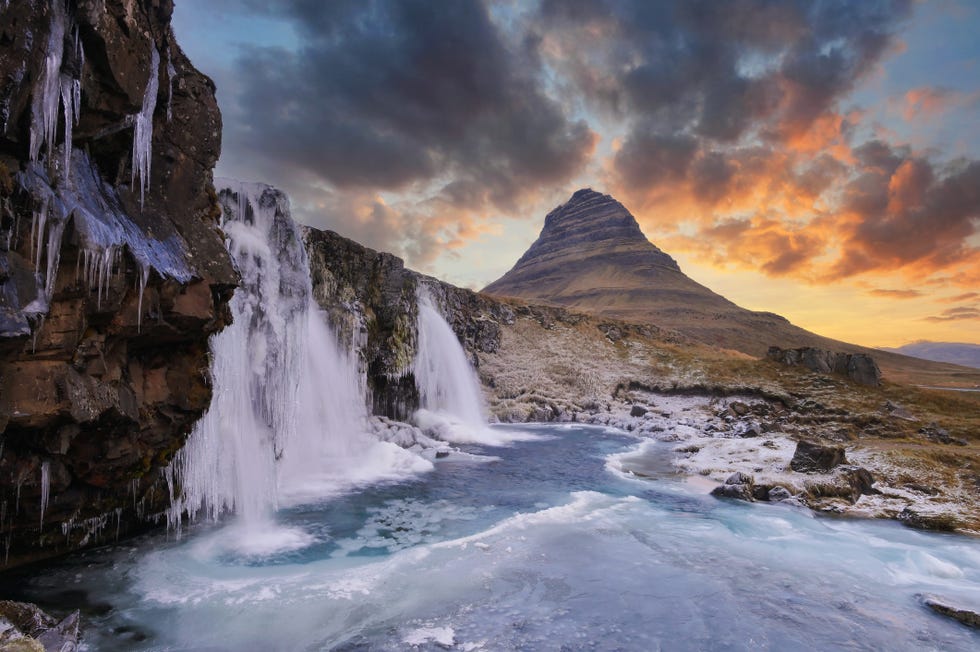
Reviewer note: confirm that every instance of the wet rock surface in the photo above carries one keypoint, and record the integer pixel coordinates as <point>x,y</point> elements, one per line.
<point>111,278</point>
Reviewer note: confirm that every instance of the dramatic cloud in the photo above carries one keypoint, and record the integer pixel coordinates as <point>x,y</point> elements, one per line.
<point>404,96</point>
<point>736,125</point>
<point>729,128</point>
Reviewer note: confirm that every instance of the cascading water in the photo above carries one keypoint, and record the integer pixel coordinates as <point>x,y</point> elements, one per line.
<point>287,416</point>
<point>445,379</point>
<point>451,400</point>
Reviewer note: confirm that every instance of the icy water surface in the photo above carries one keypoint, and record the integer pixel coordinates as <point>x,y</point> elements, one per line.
<point>548,547</point>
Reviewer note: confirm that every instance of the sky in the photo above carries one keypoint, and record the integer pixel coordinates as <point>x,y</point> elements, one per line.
<point>817,159</point>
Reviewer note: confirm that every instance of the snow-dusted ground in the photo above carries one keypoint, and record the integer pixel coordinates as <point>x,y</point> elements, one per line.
<point>571,374</point>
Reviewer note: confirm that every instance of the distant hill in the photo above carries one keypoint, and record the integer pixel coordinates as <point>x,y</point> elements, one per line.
<point>592,256</point>
<point>959,353</point>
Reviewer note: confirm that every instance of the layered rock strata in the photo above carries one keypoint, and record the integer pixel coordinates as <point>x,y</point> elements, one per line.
<point>113,271</point>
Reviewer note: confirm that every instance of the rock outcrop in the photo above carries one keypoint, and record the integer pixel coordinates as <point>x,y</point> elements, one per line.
<point>113,271</point>
<point>371,301</point>
<point>859,367</point>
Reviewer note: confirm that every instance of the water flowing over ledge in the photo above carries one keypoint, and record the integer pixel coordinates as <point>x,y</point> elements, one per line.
<point>288,419</point>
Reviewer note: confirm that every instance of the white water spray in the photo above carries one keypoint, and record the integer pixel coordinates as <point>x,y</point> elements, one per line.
<point>287,420</point>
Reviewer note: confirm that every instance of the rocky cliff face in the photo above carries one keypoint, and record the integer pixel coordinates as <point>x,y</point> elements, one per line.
<point>371,301</point>
<point>112,270</point>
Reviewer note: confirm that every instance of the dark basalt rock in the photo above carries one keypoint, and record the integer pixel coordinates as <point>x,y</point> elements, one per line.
<point>858,367</point>
<point>810,457</point>
<point>99,389</point>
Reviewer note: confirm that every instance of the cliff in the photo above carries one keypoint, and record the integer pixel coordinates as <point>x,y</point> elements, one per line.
<point>113,272</point>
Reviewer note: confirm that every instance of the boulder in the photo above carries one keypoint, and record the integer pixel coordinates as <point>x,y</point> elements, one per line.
<point>810,457</point>
<point>638,411</point>
<point>740,486</point>
<point>778,494</point>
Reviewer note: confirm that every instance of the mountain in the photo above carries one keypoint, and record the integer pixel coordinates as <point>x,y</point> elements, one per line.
<point>592,256</point>
<point>967,355</point>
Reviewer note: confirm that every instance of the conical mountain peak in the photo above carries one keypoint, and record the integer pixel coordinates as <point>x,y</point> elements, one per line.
<point>588,225</point>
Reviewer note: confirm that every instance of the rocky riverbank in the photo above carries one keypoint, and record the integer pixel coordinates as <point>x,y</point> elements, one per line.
<point>906,453</point>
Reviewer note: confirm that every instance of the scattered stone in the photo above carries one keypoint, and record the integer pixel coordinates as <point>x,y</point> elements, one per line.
<point>738,485</point>
<point>940,435</point>
<point>638,411</point>
<point>441,454</point>
<point>942,606</point>
<point>811,457</point>
<point>749,429</point>
<point>63,637</point>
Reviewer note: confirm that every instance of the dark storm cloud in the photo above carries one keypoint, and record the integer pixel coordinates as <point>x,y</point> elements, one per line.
<point>722,70</point>
<point>382,95</point>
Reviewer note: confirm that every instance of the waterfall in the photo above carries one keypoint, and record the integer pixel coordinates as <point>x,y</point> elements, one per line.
<point>446,381</point>
<point>450,396</point>
<point>287,418</point>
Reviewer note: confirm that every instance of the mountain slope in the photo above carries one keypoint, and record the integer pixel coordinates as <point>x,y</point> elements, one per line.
<point>967,355</point>
<point>591,256</point>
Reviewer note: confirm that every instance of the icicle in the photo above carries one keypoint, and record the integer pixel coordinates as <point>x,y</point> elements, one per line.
<point>44,106</point>
<point>45,487</point>
<point>143,130</point>
<point>71,101</point>
<point>171,73</point>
